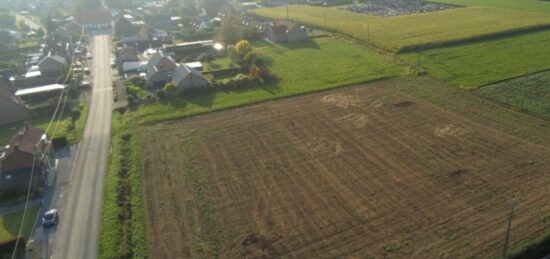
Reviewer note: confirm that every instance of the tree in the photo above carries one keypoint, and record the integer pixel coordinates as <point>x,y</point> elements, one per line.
<point>258,62</point>
<point>243,48</point>
<point>230,31</point>
<point>170,88</point>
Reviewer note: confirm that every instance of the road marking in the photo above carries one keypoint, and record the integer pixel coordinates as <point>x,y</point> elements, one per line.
<point>104,89</point>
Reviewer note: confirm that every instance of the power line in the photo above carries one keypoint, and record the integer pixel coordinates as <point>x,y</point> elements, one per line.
<point>43,138</point>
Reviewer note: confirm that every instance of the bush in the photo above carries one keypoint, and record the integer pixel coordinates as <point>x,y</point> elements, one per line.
<point>161,94</point>
<point>138,81</point>
<point>206,58</point>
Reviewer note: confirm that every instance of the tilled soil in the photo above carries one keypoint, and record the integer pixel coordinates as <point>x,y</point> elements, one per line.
<point>360,172</point>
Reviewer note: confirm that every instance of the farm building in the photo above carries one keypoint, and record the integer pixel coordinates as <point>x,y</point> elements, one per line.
<point>17,161</point>
<point>285,31</point>
<point>40,93</point>
<point>187,78</point>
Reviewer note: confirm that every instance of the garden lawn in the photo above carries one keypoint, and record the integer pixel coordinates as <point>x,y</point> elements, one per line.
<point>409,32</point>
<point>10,223</point>
<point>217,64</point>
<point>63,129</point>
<point>540,6</point>
<point>530,93</point>
<point>301,67</point>
<point>470,66</point>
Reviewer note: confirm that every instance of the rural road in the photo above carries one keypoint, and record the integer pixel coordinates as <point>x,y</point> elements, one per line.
<point>77,234</point>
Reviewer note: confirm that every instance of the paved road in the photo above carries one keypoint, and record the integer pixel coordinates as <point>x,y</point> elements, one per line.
<point>77,234</point>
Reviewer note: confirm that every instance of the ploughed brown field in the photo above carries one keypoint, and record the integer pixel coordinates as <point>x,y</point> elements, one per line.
<point>367,171</point>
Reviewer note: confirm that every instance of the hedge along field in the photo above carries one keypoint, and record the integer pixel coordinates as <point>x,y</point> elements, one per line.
<point>470,66</point>
<point>540,6</point>
<point>300,67</point>
<point>409,32</point>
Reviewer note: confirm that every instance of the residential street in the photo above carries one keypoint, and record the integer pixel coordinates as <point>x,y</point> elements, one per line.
<point>80,207</point>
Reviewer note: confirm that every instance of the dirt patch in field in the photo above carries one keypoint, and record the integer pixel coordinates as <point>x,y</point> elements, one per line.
<point>304,178</point>
<point>450,130</point>
<point>342,100</point>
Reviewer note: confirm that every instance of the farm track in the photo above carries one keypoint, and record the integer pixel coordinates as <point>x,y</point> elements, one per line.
<point>356,172</point>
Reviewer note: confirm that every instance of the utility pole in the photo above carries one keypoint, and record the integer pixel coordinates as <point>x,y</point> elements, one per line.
<point>287,12</point>
<point>507,237</point>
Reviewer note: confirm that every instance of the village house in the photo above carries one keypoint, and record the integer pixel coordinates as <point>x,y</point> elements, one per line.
<point>62,49</point>
<point>12,108</point>
<point>125,54</point>
<point>160,69</point>
<point>186,78</point>
<point>28,153</point>
<point>51,64</point>
<point>285,31</point>
<point>123,26</point>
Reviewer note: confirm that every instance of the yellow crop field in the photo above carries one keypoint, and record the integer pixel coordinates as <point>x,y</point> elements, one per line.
<point>410,32</point>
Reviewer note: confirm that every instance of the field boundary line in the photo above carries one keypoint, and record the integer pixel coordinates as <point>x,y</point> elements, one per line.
<point>350,85</point>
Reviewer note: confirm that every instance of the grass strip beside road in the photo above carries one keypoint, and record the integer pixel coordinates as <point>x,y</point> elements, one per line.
<point>301,67</point>
<point>122,230</point>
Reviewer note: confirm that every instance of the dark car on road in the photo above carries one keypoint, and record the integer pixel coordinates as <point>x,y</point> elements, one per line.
<point>50,218</point>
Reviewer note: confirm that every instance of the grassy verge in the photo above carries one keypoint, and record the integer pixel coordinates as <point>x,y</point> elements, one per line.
<point>122,230</point>
<point>530,93</point>
<point>416,31</point>
<point>473,65</point>
<point>301,67</point>
<point>10,223</point>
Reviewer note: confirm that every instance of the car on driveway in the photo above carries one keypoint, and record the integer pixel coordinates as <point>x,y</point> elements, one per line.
<point>50,218</point>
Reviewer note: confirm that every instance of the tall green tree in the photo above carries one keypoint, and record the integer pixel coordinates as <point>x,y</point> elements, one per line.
<point>230,31</point>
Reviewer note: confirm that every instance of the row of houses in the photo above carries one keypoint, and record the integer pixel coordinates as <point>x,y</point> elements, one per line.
<point>37,83</point>
<point>160,68</point>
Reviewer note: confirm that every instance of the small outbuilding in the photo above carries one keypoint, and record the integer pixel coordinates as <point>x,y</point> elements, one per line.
<point>186,78</point>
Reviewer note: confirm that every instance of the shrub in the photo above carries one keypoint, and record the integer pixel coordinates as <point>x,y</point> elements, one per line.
<point>161,94</point>
<point>138,81</point>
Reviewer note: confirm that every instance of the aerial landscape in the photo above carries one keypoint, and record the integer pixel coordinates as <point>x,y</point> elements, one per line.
<point>275,129</point>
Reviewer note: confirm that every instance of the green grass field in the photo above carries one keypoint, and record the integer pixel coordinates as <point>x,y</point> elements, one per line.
<point>401,33</point>
<point>300,67</point>
<point>540,6</point>
<point>10,223</point>
<point>530,93</point>
<point>473,65</point>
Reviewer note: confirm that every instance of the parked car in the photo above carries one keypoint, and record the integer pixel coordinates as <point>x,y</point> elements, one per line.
<point>50,218</point>
<point>85,84</point>
<point>89,55</point>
